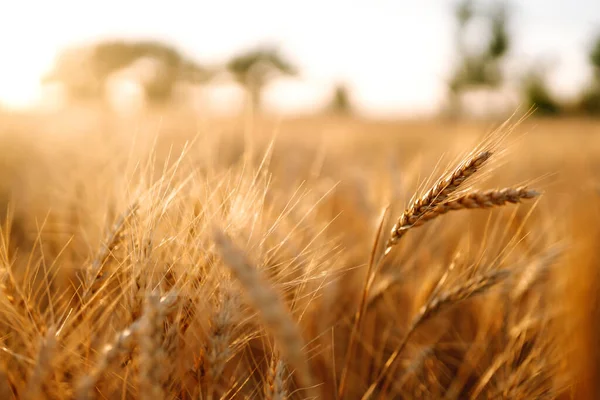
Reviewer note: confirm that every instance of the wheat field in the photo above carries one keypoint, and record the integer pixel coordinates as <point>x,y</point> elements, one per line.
<point>183,257</point>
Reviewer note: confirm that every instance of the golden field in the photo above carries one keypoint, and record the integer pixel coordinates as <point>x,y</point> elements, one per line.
<point>176,256</point>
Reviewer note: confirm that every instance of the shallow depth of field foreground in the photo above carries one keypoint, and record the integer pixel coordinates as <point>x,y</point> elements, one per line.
<point>178,257</point>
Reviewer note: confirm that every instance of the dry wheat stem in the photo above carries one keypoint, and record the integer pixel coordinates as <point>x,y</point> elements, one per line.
<point>434,196</point>
<point>358,318</point>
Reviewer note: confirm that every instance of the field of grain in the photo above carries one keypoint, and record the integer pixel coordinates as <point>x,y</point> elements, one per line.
<point>184,257</point>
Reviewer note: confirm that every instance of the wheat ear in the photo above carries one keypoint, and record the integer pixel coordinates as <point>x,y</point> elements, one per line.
<point>275,382</point>
<point>153,357</point>
<point>219,347</point>
<point>43,367</point>
<point>115,235</point>
<point>268,303</point>
<point>434,306</point>
<point>122,343</point>
<point>20,303</point>
<point>434,196</point>
<point>478,199</point>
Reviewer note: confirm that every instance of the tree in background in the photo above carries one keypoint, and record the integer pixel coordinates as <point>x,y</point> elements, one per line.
<point>590,101</point>
<point>341,104</point>
<point>84,71</point>
<point>254,69</point>
<point>478,68</point>
<point>537,95</point>
<point>74,70</point>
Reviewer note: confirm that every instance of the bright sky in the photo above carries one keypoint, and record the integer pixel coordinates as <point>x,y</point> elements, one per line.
<point>396,54</point>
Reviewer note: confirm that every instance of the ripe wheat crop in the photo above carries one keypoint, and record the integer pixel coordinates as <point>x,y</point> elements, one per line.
<point>226,265</point>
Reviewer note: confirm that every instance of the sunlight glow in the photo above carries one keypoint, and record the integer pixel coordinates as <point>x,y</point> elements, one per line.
<point>395,55</point>
<point>20,88</point>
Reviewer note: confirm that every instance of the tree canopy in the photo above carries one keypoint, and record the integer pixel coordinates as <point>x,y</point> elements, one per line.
<point>85,70</point>
<point>479,68</point>
<point>341,103</point>
<point>256,67</point>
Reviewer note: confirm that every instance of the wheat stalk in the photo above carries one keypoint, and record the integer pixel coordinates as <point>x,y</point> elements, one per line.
<point>358,318</point>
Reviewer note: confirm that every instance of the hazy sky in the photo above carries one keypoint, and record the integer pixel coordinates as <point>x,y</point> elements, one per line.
<point>395,54</point>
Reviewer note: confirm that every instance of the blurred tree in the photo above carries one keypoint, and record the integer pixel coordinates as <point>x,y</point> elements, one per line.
<point>464,12</point>
<point>499,43</point>
<point>590,99</point>
<point>478,68</point>
<point>254,68</point>
<point>536,93</point>
<point>84,71</point>
<point>595,58</point>
<point>74,71</point>
<point>341,103</point>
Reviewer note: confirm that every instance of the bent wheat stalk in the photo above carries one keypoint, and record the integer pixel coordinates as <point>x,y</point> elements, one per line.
<point>358,317</point>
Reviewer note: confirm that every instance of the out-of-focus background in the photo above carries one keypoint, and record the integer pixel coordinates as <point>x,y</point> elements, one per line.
<point>387,59</point>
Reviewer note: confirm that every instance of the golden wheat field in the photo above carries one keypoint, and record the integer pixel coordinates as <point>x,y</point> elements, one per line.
<point>183,257</point>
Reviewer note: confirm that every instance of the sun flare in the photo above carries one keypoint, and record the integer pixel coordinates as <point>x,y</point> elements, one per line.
<point>20,85</point>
